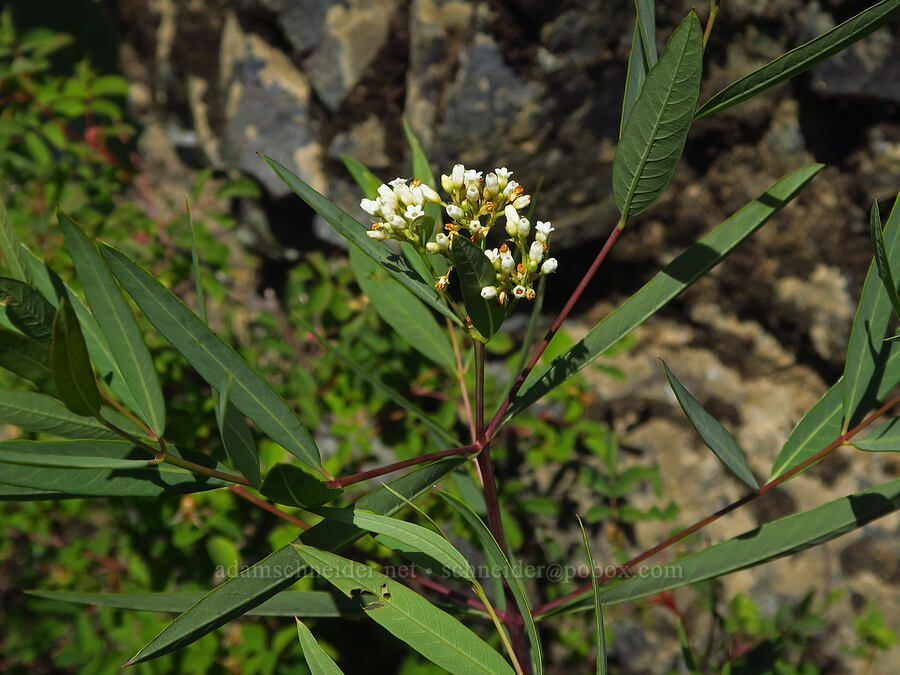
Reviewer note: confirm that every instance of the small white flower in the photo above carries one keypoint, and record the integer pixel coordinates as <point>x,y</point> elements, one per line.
<point>549,266</point>
<point>404,194</point>
<point>492,184</point>
<point>519,291</point>
<point>413,211</point>
<point>397,181</point>
<point>472,193</point>
<point>472,177</point>
<point>376,234</point>
<point>475,226</point>
<point>454,211</point>
<point>492,254</point>
<point>396,222</point>
<point>512,220</point>
<point>524,227</point>
<point>503,175</point>
<point>418,197</point>
<point>446,183</point>
<point>458,176</point>
<point>489,292</point>
<point>387,197</point>
<point>543,231</point>
<point>429,194</point>
<point>442,240</point>
<point>432,247</point>
<point>370,206</point>
<point>522,202</point>
<point>510,186</point>
<point>536,252</point>
<point>507,262</point>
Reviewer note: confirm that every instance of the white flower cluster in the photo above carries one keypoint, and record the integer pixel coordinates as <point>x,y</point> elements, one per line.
<point>474,207</point>
<point>399,208</point>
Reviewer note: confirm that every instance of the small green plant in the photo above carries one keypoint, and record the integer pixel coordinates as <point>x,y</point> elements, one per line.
<point>446,291</point>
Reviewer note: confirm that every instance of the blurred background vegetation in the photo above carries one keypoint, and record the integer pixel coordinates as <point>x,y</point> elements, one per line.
<point>77,135</point>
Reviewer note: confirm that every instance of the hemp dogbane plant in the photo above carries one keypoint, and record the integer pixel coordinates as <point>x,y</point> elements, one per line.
<point>94,385</point>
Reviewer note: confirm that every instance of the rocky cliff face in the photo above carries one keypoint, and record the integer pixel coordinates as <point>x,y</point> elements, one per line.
<point>536,86</point>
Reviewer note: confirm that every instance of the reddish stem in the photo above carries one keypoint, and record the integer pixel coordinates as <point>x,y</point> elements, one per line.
<point>576,294</point>
<point>271,508</point>
<point>831,447</point>
<point>396,466</point>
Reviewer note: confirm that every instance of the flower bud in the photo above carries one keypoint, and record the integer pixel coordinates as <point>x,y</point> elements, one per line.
<point>522,202</point>
<point>418,197</point>
<point>536,252</point>
<point>473,193</point>
<point>489,292</point>
<point>429,194</point>
<point>404,194</point>
<point>549,266</point>
<point>378,235</point>
<point>442,240</point>
<point>446,183</point>
<point>454,211</point>
<point>387,196</point>
<point>492,184</point>
<point>507,262</point>
<point>524,227</point>
<point>396,222</point>
<point>432,247</point>
<point>458,176</point>
<point>370,206</point>
<point>512,219</point>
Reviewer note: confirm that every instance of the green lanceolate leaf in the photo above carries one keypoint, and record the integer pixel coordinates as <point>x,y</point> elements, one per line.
<point>366,180</point>
<point>402,311</point>
<point>714,435</point>
<point>407,615</point>
<point>354,232</point>
<point>475,272</point>
<point>48,283</point>
<point>10,249</point>
<point>142,481</point>
<point>292,486</point>
<point>282,568</point>
<point>391,393</point>
<point>38,413</point>
<point>73,377</point>
<point>599,633</point>
<point>773,540</point>
<point>213,359</point>
<point>499,561</point>
<point>14,493</point>
<point>318,661</point>
<point>672,280</point>
<point>26,358</point>
<point>289,603</point>
<point>237,438</point>
<point>654,134</point>
<point>419,538</point>
<point>421,169</point>
<point>642,58</point>
<point>27,309</point>
<point>822,424</point>
<point>867,351</point>
<point>68,461</point>
<point>885,438</point>
<point>118,326</point>
<point>881,259</point>
<point>802,58</point>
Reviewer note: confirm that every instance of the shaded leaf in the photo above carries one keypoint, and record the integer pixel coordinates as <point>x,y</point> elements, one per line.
<point>881,259</point>
<point>354,232</point>
<point>885,438</point>
<point>599,633</point>
<point>213,359</point>
<point>366,180</point>
<point>292,486</point>
<point>666,285</point>
<point>500,562</point>
<point>282,568</point>
<point>318,661</point>
<point>26,358</point>
<point>289,603</point>
<point>73,377</point>
<point>68,461</point>
<point>421,169</point>
<point>27,309</point>
<point>802,58</point>
<point>12,252</point>
<point>777,539</point>
<point>146,481</point>
<point>118,326</point>
<point>654,134</point>
<point>714,435</point>
<point>38,413</point>
<point>642,57</point>
<point>407,615</point>
<point>475,272</point>
<point>867,350</point>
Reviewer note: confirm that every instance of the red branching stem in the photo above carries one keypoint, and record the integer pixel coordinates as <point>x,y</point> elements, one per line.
<point>576,294</point>
<point>396,466</point>
<point>700,524</point>
<point>271,508</point>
